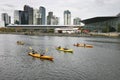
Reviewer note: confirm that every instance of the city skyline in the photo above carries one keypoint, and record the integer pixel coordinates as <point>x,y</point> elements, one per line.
<point>83,9</point>
<point>35,16</point>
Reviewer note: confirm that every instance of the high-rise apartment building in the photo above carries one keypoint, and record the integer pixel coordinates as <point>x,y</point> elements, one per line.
<point>36,17</point>
<point>28,11</point>
<point>20,17</point>
<point>54,20</point>
<point>51,19</point>
<point>9,19</point>
<point>42,15</point>
<point>6,18</point>
<point>17,17</point>
<point>2,23</point>
<point>67,17</point>
<point>77,21</point>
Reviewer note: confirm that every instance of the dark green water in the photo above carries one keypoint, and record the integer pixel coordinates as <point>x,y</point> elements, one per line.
<point>102,62</point>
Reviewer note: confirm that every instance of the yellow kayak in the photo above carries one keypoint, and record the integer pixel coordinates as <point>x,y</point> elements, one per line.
<point>37,55</point>
<point>65,50</point>
<point>83,45</point>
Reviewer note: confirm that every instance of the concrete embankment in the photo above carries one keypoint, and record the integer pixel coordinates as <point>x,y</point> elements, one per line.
<point>92,34</point>
<point>114,34</point>
<point>59,34</point>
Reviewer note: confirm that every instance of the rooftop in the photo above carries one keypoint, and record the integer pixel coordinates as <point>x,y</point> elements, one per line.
<point>98,19</point>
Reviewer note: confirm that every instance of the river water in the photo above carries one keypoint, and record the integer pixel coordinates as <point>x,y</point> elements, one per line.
<point>102,62</point>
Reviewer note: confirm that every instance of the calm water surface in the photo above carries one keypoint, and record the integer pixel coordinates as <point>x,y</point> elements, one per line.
<point>102,62</point>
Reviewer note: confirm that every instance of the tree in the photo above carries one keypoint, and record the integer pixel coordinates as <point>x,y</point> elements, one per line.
<point>118,28</point>
<point>105,29</point>
<point>109,29</point>
<point>16,22</point>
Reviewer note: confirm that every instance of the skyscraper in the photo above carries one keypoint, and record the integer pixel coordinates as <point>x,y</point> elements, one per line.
<point>28,11</point>
<point>6,18</point>
<point>49,18</point>
<point>20,17</point>
<point>17,17</point>
<point>67,17</point>
<point>77,21</point>
<point>36,17</point>
<point>9,19</point>
<point>42,15</point>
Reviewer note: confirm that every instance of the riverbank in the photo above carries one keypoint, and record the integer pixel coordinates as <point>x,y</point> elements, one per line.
<point>47,34</point>
<point>91,34</point>
<point>112,34</point>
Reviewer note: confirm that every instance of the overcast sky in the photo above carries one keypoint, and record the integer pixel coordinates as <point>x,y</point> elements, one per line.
<point>83,9</point>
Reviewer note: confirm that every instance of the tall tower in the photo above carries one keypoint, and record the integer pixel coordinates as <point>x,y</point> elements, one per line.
<point>20,17</point>
<point>28,11</point>
<point>42,15</point>
<point>17,17</point>
<point>36,17</point>
<point>67,17</point>
<point>5,18</point>
<point>49,18</point>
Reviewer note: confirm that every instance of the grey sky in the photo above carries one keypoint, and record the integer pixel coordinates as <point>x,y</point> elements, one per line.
<point>79,8</point>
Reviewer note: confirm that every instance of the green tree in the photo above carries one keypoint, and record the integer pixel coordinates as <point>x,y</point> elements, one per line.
<point>118,28</point>
<point>105,29</point>
<point>109,29</point>
<point>16,22</point>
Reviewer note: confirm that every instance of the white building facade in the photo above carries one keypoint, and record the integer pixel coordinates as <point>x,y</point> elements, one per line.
<point>36,16</point>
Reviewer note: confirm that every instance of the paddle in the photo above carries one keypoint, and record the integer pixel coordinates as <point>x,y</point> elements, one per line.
<point>46,49</point>
<point>30,48</point>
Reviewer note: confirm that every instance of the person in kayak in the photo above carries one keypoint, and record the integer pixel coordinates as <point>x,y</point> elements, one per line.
<point>33,51</point>
<point>59,47</point>
<point>65,48</point>
<point>77,44</point>
<point>42,54</point>
<point>84,45</point>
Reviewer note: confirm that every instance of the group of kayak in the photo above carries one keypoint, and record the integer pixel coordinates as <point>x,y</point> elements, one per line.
<point>83,45</point>
<point>42,55</point>
<point>77,45</point>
